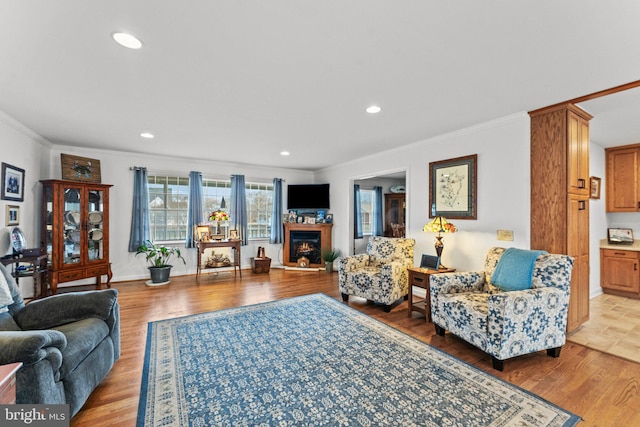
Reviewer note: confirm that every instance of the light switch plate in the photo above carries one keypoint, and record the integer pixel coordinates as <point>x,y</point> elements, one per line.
<point>505,235</point>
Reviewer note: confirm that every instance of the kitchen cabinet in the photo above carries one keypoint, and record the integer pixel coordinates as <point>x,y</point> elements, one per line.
<point>622,187</point>
<point>620,272</point>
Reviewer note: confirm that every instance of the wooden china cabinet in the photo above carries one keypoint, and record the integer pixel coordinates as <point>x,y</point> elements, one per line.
<point>394,212</point>
<point>75,231</point>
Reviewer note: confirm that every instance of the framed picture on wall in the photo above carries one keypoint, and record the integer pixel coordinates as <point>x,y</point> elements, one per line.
<point>594,187</point>
<point>12,183</point>
<point>453,188</point>
<point>12,215</point>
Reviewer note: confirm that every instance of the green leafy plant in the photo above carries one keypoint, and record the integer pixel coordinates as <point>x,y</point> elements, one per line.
<point>159,256</point>
<point>330,255</point>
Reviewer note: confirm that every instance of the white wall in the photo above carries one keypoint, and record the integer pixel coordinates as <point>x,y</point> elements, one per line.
<point>502,147</point>
<point>23,149</point>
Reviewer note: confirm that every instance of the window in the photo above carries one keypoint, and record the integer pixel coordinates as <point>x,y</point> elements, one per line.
<point>213,192</point>
<point>168,206</point>
<point>259,205</point>
<point>366,205</point>
<point>168,203</point>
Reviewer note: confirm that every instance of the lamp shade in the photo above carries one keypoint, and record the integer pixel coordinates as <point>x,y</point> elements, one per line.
<point>440,224</point>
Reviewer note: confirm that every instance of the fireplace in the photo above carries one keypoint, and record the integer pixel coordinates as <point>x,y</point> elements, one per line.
<point>305,244</point>
<point>308,240</point>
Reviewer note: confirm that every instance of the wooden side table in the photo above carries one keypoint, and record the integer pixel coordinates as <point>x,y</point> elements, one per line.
<point>37,270</point>
<point>233,244</point>
<point>8,383</point>
<point>420,277</point>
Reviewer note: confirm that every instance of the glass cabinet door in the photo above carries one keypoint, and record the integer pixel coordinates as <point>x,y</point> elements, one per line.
<point>72,225</point>
<point>95,224</point>
<point>48,214</point>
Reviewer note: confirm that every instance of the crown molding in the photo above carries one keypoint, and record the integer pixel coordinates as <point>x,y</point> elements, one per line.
<point>26,131</point>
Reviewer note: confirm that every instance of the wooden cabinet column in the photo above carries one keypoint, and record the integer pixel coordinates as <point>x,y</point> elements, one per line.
<point>560,195</point>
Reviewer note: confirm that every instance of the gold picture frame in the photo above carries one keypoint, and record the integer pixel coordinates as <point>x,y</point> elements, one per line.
<point>12,216</point>
<point>203,233</point>
<point>233,235</point>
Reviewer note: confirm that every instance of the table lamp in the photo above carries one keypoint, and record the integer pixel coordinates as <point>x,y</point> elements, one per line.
<point>440,225</point>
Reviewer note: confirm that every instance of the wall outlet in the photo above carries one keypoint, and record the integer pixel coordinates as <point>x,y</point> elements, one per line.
<point>505,235</point>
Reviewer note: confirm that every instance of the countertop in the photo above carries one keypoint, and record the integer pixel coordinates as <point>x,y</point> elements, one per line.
<point>635,246</point>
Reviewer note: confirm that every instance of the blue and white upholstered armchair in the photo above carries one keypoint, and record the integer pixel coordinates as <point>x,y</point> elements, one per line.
<point>381,274</point>
<point>505,323</point>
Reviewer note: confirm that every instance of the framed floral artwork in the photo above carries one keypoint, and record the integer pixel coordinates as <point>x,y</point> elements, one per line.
<point>453,188</point>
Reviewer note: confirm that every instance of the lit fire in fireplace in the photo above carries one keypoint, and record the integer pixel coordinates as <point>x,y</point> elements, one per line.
<point>304,248</point>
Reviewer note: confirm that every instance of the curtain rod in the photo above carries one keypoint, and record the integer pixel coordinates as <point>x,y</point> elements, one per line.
<point>175,173</point>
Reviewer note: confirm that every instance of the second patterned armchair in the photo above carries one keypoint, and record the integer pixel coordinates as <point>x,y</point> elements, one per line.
<point>381,274</point>
<point>502,320</point>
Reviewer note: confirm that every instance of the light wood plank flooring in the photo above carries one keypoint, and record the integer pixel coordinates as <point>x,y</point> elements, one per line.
<point>613,327</point>
<point>603,389</point>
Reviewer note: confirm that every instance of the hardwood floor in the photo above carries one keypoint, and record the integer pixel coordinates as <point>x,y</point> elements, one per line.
<point>601,388</point>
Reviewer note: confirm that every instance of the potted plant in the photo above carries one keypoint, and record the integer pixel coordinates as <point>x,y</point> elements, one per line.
<point>330,255</point>
<point>159,258</point>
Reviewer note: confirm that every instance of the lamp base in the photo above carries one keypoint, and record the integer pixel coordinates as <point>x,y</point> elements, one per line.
<point>439,247</point>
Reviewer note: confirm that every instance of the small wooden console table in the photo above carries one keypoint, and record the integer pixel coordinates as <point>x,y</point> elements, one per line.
<point>420,277</point>
<point>37,269</point>
<point>233,244</point>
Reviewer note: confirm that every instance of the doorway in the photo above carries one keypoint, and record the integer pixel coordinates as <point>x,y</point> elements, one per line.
<point>393,186</point>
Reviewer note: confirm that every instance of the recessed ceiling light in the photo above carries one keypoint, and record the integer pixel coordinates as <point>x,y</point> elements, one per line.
<point>373,109</point>
<point>284,153</point>
<point>147,135</point>
<point>127,40</point>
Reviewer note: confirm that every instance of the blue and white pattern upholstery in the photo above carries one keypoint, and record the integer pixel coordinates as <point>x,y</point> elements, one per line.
<point>505,324</point>
<point>381,274</point>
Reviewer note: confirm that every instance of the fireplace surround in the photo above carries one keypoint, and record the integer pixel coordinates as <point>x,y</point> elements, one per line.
<point>308,240</point>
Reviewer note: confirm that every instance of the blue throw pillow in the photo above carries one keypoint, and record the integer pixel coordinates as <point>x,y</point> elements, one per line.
<point>515,269</point>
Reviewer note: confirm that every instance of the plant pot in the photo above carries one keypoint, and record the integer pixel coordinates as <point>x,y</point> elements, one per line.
<point>328,267</point>
<point>160,275</point>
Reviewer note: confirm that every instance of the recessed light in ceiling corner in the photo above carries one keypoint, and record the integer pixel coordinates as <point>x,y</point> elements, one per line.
<point>284,153</point>
<point>373,109</point>
<point>127,40</point>
<point>147,135</point>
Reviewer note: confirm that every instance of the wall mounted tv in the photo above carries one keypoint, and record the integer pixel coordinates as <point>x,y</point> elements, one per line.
<point>308,196</point>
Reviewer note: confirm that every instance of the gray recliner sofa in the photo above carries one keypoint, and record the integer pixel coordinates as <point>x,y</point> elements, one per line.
<point>67,343</point>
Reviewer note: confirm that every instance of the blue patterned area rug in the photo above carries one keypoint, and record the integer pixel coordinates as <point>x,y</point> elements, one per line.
<point>313,361</point>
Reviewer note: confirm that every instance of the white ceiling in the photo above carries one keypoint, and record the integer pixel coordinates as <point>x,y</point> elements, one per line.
<point>243,80</point>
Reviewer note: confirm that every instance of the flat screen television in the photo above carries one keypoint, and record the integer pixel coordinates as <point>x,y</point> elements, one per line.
<point>308,196</point>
